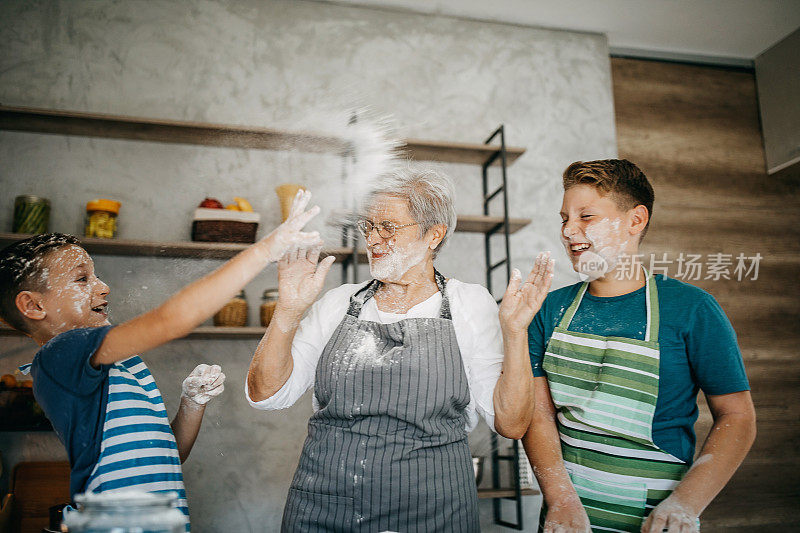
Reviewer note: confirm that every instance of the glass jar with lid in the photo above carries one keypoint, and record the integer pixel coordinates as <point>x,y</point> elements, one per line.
<point>31,214</point>
<point>268,307</point>
<point>125,512</point>
<point>101,218</point>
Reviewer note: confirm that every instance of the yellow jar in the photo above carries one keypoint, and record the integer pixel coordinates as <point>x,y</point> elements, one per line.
<point>101,218</point>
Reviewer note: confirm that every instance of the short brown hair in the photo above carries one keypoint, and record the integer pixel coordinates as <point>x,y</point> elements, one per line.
<point>22,268</point>
<point>626,183</point>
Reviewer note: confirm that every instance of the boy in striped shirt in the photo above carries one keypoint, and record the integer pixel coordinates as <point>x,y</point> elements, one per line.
<point>99,395</point>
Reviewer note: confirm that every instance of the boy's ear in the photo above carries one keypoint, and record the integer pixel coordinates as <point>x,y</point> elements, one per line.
<point>28,303</point>
<point>437,233</point>
<point>639,218</point>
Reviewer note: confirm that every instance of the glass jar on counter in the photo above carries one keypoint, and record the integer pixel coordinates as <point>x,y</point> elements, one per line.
<point>101,218</point>
<point>125,512</point>
<point>268,307</point>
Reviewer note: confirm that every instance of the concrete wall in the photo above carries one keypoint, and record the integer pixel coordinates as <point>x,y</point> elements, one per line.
<point>778,79</point>
<point>299,65</point>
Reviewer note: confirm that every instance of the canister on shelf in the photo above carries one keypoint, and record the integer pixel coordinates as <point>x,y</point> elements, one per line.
<point>31,214</point>
<point>268,307</point>
<point>101,218</point>
<point>233,314</point>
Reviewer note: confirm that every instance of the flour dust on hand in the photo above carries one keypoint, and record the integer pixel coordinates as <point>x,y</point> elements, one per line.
<point>204,383</point>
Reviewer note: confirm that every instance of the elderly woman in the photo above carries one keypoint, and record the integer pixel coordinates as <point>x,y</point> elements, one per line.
<point>401,367</point>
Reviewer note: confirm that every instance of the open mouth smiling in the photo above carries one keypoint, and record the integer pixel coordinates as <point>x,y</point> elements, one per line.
<point>577,248</point>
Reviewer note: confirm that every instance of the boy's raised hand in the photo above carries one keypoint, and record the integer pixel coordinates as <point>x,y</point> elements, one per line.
<point>300,279</point>
<point>523,300</point>
<point>289,235</point>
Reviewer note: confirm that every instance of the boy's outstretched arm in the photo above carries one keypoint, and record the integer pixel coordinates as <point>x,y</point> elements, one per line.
<point>725,448</point>
<point>565,512</point>
<point>196,302</point>
<point>204,383</point>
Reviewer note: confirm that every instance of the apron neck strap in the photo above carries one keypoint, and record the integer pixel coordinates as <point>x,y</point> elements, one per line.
<point>358,300</point>
<point>651,306</point>
<point>441,282</point>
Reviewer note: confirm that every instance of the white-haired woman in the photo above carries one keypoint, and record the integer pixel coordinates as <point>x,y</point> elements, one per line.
<point>401,367</point>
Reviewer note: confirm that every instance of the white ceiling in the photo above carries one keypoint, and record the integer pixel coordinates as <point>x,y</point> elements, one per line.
<point>724,31</point>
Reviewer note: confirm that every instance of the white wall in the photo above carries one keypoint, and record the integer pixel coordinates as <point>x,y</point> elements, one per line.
<point>299,65</point>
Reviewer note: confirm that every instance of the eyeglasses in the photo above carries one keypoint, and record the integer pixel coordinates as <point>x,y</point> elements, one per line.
<point>385,229</point>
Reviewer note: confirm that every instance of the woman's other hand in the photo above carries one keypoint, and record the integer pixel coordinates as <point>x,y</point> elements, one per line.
<point>300,279</point>
<point>288,235</point>
<point>522,301</point>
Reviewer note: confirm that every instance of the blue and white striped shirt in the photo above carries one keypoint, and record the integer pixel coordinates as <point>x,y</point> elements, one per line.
<point>111,419</point>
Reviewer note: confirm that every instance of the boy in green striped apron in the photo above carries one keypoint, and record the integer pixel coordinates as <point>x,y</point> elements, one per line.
<point>617,362</point>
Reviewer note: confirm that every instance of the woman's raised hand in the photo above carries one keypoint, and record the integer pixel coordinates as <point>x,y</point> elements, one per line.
<point>288,235</point>
<point>523,300</point>
<point>300,279</point>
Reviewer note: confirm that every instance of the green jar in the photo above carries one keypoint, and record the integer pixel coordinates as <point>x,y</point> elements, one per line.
<point>31,214</point>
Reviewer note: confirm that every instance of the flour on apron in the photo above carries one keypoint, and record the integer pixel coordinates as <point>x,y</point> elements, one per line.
<point>605,391</point>
<point>387,450</point>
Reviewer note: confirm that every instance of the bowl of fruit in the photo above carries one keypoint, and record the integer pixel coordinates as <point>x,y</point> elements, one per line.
<point>215,222</point>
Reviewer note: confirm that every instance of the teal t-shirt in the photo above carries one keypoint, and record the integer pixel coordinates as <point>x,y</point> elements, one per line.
<point>698,348</point>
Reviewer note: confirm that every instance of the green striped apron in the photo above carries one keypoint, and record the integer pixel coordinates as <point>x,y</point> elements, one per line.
<point>605,390</point>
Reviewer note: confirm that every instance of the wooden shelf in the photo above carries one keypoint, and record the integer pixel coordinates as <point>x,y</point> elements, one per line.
<point>187,249</point>
<point>203,332</point>
<point>230,136</point>
<point>505,493</point>
<point>222,250</point>
<point>447,152</point>
<point>485,224</point>
<point>213,332</point>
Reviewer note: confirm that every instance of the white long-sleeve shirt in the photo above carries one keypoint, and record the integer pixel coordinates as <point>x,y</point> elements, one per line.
<point>476,324</point>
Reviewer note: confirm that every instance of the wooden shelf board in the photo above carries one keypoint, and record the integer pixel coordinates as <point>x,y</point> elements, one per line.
<point>213,332</point>
<point>166,131</point>
<point>484,224</point>
<point>203,332</point>
<point>224,135</point>
<point>189,249</point>
<point>504,493</point>
<point>223,250</point>
<point>466,153</point>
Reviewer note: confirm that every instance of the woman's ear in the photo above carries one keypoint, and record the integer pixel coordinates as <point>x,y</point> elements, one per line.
<point>436,234</point>
<point>29,304</point>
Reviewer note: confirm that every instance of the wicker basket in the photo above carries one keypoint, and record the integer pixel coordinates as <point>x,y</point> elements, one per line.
<point>224,225</point>
<point>233,314</point>
<point>224,231</point>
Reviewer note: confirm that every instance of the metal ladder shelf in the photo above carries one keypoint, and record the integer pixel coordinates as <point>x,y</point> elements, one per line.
<point>491,266</point>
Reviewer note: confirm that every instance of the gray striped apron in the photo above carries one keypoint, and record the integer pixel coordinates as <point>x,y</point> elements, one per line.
<point>605,391</point>
<point>387,450</point>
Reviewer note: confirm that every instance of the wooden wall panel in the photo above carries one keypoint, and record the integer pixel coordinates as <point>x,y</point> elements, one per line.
<point>695,132</point>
